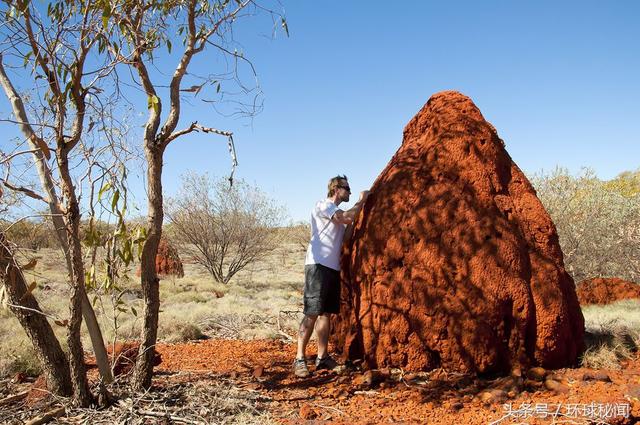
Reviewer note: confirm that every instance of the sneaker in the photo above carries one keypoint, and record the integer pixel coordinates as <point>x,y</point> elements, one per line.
<point>327,362</point>
<point>300,368</point>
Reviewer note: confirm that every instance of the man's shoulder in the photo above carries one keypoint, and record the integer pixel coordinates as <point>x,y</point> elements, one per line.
<point>325,207</point>
<point>326,204</point>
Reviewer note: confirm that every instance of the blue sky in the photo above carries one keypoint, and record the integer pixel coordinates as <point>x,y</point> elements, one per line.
<point>559,81</point>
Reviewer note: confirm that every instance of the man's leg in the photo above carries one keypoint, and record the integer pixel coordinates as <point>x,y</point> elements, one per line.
<point>323,327</point>
<point>304,334</point>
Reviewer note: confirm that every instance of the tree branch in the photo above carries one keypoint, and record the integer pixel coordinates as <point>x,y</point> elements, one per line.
<point>30,193</point>
<point>21,115</point>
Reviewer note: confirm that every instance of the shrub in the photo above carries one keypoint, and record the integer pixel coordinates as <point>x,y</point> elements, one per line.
<point>598,222</point>
<point>221,227</point>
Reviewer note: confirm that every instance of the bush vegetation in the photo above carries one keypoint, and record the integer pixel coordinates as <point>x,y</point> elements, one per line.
<point>598,222</point>
<point>223,227</point>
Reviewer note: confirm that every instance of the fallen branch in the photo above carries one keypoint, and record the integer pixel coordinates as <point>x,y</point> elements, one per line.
<point>168,416</point>
<point>14,398</point>
<point>47,417</point>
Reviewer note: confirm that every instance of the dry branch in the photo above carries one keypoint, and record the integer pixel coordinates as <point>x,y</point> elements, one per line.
<point>13,398</point>
<point>47,417</point>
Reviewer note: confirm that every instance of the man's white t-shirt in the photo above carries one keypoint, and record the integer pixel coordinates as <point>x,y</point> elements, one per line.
<point>326,236</point>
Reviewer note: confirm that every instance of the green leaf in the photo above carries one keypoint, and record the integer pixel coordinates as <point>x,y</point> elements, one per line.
<point>154,102</point>
<point>169,46</point>
<point>103,189</point>
<point>106,14</point>
<point>115,199</point>
<point>285,27</point>
<point>26,58</point>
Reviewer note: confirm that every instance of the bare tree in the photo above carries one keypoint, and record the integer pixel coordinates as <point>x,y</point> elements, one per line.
<point>224,228</point>
<point>143,28</point>
<point>299,233</point>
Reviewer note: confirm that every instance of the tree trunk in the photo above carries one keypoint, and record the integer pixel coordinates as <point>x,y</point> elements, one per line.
<point>88,313</point>
<point>47,183</point>
<point>53,360</point>
<point>148,276</point>
<point>81,392</point>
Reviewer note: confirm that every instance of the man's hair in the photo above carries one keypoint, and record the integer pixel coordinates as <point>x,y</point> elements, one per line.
<point>334,183</point>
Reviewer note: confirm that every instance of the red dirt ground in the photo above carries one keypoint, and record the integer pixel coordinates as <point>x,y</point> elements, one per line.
<point>606,290</point>
<point>454,261</point>
<point>356,397</point>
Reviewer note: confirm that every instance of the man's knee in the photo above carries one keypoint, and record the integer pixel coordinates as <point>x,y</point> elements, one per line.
<point>308,320</point>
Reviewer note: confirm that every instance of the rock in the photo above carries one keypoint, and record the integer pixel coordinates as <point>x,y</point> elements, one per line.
<point>492,396</point>
<point>307,412</point>
<point>596,376</point>
<point>372,377</point>
<point>486,397</point>
<point>536,373</point>
<point>454,261</point>
<point>559,378</point>
<point>258,371</point>
<point>455,406</point>
<point>498,395</point>
<point>606,290</point>
<point>532,385</point>
<point>558,387</point>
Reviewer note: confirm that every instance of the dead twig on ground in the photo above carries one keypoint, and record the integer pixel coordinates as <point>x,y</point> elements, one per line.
<point>13,398</point>
<point>167,416</point>
<point>48,416</point>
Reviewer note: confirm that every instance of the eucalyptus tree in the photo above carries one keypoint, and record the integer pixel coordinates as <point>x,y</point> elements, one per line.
<point>143,30</point>
<point>57,79</point>
<point>59,46</point>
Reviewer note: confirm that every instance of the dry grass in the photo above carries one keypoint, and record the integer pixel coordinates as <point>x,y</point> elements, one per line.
<point>191,306</point>
<point>612,333</point>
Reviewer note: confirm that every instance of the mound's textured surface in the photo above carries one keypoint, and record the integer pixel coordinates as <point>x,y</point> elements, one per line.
<point>454,262</point>
<point>168,261</point>
<point>606,290</point>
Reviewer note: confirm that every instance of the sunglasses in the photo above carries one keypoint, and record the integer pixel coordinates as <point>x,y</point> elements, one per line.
<point>347,188</point>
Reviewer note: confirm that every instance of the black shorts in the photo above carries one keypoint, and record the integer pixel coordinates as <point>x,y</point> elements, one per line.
<point>321,290</point>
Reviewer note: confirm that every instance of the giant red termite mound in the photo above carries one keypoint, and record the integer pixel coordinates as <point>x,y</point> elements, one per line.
<point>168,261</point>
<point>454,261</point>
<point>604,290</point>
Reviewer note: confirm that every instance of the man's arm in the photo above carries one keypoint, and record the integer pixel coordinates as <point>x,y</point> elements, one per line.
<point>348,216</point>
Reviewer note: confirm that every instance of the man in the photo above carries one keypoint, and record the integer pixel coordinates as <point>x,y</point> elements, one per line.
<point>322,272</point>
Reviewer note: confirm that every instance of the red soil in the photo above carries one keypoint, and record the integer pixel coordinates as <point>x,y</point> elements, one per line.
<point>375,397</point>
<point>606,290</point>
<point>454,261</point>
<point>390,396</point>
<point>122,356</point>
